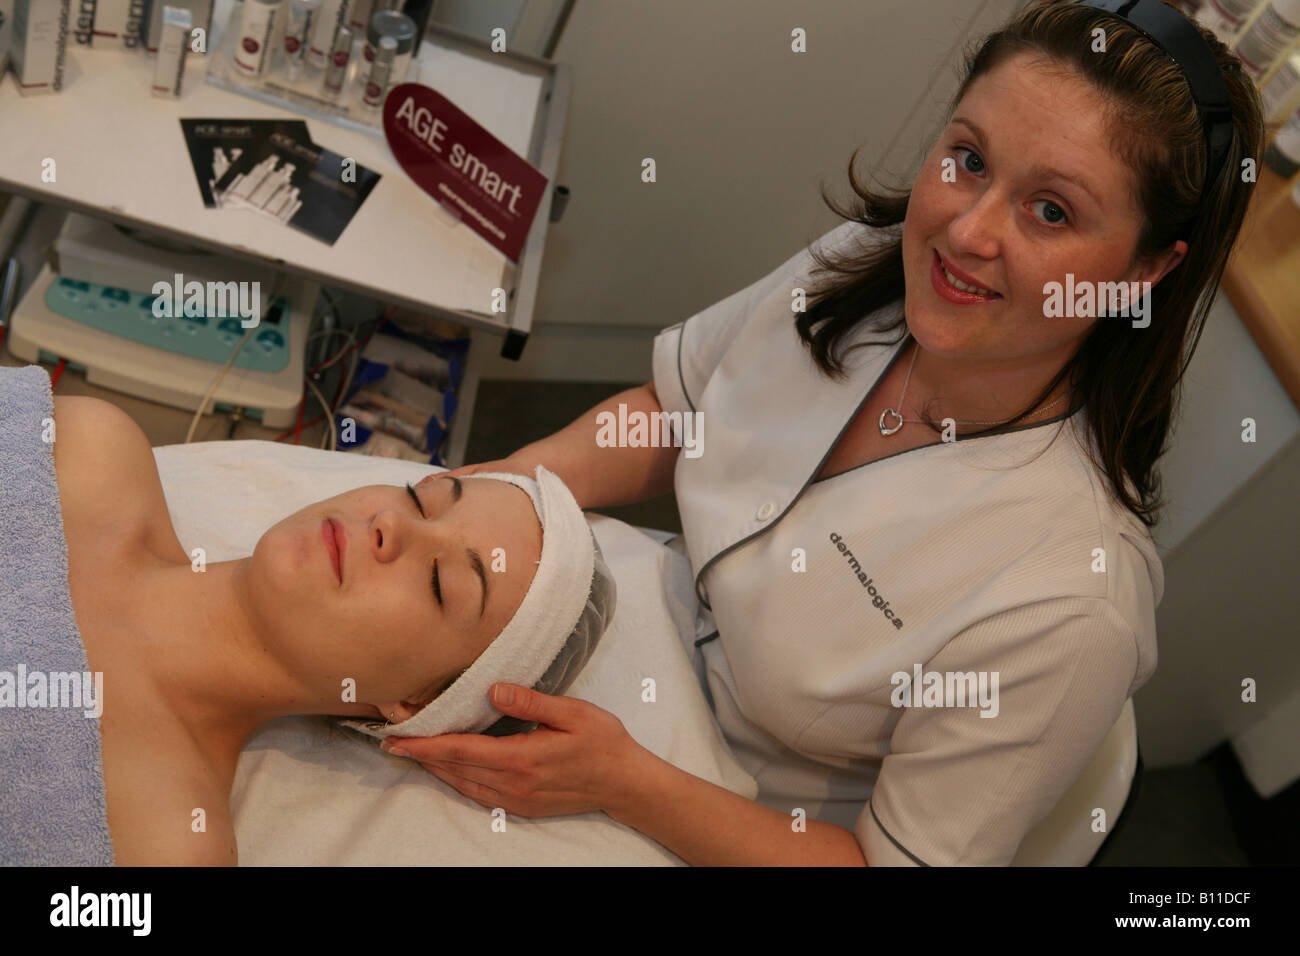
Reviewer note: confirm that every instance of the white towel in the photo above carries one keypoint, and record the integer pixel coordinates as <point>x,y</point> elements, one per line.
<point>305,795</point>
<point>527,645</point>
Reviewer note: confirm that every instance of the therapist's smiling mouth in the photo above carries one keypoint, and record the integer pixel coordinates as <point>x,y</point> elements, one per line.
<point>955,286</point>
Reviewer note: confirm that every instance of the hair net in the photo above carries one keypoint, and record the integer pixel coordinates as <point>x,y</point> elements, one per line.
<point>579,647</point>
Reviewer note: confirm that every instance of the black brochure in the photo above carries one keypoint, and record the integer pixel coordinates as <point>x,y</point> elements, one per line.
<point>298,183</point>
<point>216,144</point>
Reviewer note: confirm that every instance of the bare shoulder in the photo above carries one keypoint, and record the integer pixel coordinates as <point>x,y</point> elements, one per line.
<point>94,427</point>
<point>108,480</point>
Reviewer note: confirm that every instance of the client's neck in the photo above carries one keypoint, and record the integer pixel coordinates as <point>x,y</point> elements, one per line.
<point>209,660</point>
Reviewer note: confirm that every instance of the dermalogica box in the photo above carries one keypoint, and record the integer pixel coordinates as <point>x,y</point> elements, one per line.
<point>40,40</point>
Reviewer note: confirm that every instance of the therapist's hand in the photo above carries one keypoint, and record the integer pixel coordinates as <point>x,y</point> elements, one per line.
<point>514,465</point>
<point>579,760</point>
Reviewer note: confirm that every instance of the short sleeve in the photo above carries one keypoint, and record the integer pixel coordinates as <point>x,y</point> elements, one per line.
<point>962,789</point>
<point>686,354</point>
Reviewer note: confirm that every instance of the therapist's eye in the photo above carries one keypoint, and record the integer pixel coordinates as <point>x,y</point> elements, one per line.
<point>979,163</point>
<point>1054,215</point>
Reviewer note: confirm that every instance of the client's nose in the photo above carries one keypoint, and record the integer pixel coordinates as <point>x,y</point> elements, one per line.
<point>391,533</point>
<point>385,535</point>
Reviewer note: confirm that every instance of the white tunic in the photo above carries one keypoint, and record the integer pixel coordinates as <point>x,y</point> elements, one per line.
<point>958,557</point>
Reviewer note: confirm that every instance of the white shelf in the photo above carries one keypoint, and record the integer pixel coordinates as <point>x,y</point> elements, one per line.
<point>119,154</point>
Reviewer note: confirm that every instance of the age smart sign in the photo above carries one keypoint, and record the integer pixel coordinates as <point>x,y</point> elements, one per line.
<point>470,172</point>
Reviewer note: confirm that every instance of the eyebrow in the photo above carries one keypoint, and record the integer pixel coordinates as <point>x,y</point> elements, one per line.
<point>475,559</point>
<point>1038,170</point>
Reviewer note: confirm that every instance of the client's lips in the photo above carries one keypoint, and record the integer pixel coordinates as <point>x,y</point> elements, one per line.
<point>336,540</point>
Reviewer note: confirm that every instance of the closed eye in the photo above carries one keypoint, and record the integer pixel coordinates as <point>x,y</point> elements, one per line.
<point>437,585</point>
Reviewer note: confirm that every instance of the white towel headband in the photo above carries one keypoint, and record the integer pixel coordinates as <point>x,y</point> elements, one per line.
<point>546,619</point>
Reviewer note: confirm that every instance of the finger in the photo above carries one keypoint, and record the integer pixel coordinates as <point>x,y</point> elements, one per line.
<point>497,780</point>
<point>472,750</point>
<point>469,788</point>
<point>562,713</point>
<point>437,475</point>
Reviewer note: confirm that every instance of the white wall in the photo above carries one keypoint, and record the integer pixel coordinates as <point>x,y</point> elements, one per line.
<point>742,130</point>
<point>478,17</point>
<point>1230,543</point>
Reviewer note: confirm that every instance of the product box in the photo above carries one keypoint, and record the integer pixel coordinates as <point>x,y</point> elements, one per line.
<point>6,33</point>
<point>200,12</point>
<point>169,68</point>
<point>40,39</point>
<point>121,22</point>
<point>81,22</point>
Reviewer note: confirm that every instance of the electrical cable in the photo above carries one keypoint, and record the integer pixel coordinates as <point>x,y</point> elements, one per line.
<point>337,355</point>
<point>334,306</point>
<point>212,389</point>
<point>356,349</point>
<point>329,416</point>
<point>301,406</point>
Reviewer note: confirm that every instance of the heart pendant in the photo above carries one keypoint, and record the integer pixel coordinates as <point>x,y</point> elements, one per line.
<point>890,431</point>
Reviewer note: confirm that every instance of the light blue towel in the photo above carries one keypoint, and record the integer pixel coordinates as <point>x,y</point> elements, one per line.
<point>53,811</point>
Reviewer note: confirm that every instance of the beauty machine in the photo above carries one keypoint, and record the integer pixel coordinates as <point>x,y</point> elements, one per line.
<point>150,318</point>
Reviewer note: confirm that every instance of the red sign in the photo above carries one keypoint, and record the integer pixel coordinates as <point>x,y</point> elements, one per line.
<point>471,173</point>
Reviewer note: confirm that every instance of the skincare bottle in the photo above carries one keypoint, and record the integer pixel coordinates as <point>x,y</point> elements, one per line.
<point>339,57</point>
<point>141,11</point>
<point>40,37</point>
<point>359,12</point>
<point>1281,96</point>
<point>1225,17</point>
<point>332,15</point>
<point>377,82</point>
<point>6,28</point>
<point>172,47</point>
<point>255,35</point>
<point>1283,154</point>
<point>419,12</point>
<point>390,23</point>
<point>1268,36</point>
<point>302,13</point>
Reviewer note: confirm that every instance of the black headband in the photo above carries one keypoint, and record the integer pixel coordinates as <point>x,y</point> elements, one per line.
<point>1183,43</point>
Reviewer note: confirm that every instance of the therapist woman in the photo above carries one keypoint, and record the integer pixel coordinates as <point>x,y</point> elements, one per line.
<point>922,461</point>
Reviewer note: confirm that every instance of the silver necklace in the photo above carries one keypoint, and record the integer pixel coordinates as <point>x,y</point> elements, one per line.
<point>916,421</point>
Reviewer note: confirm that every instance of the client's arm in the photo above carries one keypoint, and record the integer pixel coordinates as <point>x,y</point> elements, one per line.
<point>598,477</point>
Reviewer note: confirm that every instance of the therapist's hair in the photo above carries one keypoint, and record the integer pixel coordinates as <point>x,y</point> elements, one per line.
<point>1125,378</point>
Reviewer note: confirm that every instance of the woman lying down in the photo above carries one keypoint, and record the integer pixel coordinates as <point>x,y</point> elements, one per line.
<point>398,607</point>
